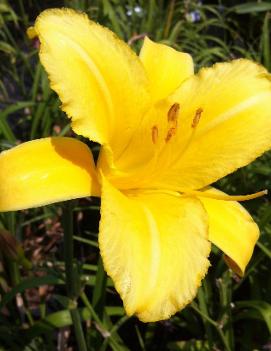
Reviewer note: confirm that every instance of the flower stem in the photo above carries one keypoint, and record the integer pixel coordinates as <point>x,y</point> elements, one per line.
<point>72,277</point>
<point>169,18</point>
<point>98,300</point>
<point>76,320</point>
<point>12,265</point>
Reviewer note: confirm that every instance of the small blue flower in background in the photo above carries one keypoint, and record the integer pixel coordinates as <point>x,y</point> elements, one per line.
<point>137,10</point>
<point>194,16</point>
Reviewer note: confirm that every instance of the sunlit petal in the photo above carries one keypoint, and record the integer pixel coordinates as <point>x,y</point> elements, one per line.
<point>44,171</point>
<point>166,68</point>
<point>232,229</point>
<point>155,248</point>
<point>223,122</point>
<point>100,81</point>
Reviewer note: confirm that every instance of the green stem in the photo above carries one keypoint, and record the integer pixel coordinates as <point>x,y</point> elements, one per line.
<point>114,342</point>
<point>169,18</point>
<point>71,274</point>
<point>99,291</point>
<point>23,14</point>
<point>204,308</point>
<point>76,319</point>
<point>14,272</point>
<point>68,246</point>
<point>91,310</point>
<point>214,323</point>
<point>12,265</point>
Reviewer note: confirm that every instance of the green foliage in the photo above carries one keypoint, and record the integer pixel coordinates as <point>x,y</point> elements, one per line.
<point>229,313</point>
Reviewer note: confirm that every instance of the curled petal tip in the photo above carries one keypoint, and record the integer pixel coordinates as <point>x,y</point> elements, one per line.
<point>31,32</point>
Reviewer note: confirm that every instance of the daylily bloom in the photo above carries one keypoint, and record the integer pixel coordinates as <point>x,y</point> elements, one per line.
<point>166,135</point>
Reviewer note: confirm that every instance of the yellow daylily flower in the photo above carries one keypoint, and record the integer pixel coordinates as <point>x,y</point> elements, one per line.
<point>166,135</point>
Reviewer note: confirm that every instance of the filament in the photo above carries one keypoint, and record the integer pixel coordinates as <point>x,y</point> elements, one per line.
<point>225,197</point>
<point>196,193</point>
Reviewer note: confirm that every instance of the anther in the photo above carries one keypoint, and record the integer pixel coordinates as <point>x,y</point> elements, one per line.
<point>197,117</point>
<point>173,112</point>
<point>172,117</point>
<point>154,134</point>
<point>171,132</point>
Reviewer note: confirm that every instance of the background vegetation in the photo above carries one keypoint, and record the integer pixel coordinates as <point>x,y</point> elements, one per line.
<point>229,313</point>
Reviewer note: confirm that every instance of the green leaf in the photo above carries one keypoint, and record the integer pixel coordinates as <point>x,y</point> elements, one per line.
<point>191,345</point>
<point>252,7</point>
<point>266,42</point>
<point>4,127</point>
<point>7,48</point>
<point>58,319</point>
<point>85,241</point>
<point>29,283</point>
<point>264,249</point>
<point>263,309</point>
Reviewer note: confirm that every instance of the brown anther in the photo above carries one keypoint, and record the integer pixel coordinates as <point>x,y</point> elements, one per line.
<point>154,134</point>
<point>197,117</point>
<point>171,132</point>
<point>173,112</point>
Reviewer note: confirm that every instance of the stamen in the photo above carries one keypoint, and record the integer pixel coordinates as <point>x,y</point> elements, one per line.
<point>196,118</point>
<point>194,125</point>
<point>173,112</point>
<point>226,197</point>
<point>215,196</point>
<point>172,117</point>
<point>154,134</point>
<point>171,132</point>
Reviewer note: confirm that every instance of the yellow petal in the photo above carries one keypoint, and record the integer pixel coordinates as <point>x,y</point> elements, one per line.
<point>223,123</point>
<point>232,229</point>
<point>44,171</point>
<point>100,81</point>
<point>235,123</point>
<point>155,248</point>
<point>166,67</point>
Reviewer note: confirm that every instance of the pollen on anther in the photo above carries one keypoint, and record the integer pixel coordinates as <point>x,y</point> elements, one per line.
<point>154,134</point>
<point>171,132</point>
<point>197,117</point>
<point>173,112</point>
